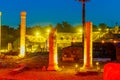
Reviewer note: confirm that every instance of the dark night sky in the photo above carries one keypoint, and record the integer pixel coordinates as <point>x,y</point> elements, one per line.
<point>44,12</point>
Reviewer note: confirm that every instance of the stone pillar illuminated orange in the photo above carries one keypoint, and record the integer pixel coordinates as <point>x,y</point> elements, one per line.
<point>22,34</point>
<point>53,58</point>
<point>88,46</point>
<point>9,46</point>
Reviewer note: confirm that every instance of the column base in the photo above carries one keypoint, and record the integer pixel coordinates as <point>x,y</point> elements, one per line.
<point>53,68</point>
<point>87,68</point>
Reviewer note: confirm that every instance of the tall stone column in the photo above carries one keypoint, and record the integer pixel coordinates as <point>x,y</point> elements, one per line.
<point>0,31</point>
<point>88,46</point>
<point>53,58</point>
<point>22,34</point>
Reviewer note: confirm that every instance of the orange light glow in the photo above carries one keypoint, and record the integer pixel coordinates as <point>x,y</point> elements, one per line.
<point>103,41</point>
<point>76,66</point>
<point>114,41</point>
<point>97,63</point>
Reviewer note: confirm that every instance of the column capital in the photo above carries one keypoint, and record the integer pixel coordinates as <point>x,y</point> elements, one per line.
<point>23,13</point>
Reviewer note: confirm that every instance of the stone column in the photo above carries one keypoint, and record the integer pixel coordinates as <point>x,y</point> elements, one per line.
<point>9,46</point>
<point>88,46</point>
<point>53,58</point>
<point>22,34</point>
<point>0,31</point>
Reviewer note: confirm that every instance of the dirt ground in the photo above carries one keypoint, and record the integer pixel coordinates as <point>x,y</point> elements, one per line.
<point>34,71</point>
<point>37,74</point>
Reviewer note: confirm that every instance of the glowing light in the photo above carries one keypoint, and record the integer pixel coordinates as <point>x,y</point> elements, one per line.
<point>99,29</point>
<point>107,29</point>
<point>37,34</point>
<point>114,41</point>
<point>76,65</point>
<point>97,63</point>
<point>103,41</point>
<point>81,30</point>
<point>48,30</point>
<point>3,50</point>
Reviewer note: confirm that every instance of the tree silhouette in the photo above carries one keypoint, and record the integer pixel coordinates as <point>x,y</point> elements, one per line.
<point>103,27</point>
